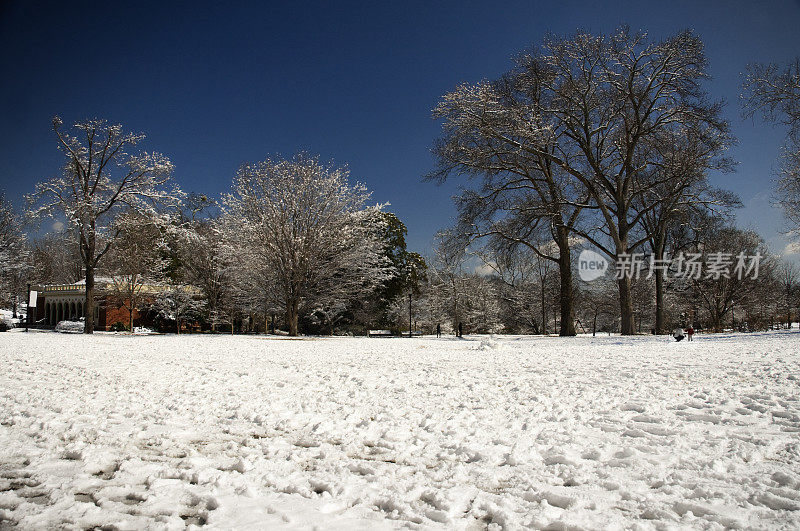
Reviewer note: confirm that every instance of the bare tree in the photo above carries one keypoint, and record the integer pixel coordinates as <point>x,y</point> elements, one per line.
<point>593,108</point>
<point>137,260</point>
<point>56,259</point>
<point>14,256</point>
<point>774,91</point>
<point>309,228</point>
<point>204,263</point>
<point>522,191</point>
<point>447,275</point>
<point>719,294</point>
<point>596,306</point>
<point>11,236</point>
<point>100,179</point>
<point>527,275</point>
<point>679,170</point>
<point>788,275</point>
<point>788,190</point>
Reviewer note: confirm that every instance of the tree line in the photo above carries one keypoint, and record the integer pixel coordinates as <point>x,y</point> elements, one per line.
<point>608,140</point>
<point>601,141</point>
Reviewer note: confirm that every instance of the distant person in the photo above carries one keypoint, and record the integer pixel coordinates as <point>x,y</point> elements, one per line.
<point>689,333</point>
<point>460,330</point>
<point>678,334</point>
<point>438,330</point>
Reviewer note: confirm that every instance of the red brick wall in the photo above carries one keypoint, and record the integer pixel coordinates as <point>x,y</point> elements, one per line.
<point>117,311</point>
<point>114,309</point>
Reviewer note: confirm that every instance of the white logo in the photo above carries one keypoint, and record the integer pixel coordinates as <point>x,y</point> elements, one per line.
<point>591,265</point>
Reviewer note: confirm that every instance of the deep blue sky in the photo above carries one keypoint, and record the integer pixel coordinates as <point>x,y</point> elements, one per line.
<point>216,84</point>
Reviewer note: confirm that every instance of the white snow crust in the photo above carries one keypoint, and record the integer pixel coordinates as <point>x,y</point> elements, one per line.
<point>135,432</point>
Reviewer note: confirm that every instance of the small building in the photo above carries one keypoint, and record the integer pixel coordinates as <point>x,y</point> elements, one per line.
<point>65,302</point>
<point>60,302</point>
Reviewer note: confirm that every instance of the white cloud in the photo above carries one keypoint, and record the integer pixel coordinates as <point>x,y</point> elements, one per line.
<point>485,269</point>
<point>792,248</point>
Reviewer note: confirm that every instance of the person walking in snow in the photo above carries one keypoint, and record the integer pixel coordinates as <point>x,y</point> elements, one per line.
<point>689,333</point>
<point>438,330</point>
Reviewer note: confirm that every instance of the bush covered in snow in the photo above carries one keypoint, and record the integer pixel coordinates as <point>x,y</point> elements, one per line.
<point>6,321</point>
<point>70,327</point>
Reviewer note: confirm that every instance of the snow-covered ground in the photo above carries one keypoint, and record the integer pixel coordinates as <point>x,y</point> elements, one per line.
<point>250,432</point>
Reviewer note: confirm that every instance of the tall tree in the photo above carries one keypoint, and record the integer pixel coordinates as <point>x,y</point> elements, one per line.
<point>136,261</point>
<point>521,191</point>
<point>99,180</point>
<point>774,91</point>
<point>11,237</point>
<point>582,115</point>
<point>14,254</point>
<point>204,263</point>
<point>787,275</point>
<point>680,191</point>
<point>310,228</point>
<point>737,282</point>
<point>407,267</point>
<point>526,276</point>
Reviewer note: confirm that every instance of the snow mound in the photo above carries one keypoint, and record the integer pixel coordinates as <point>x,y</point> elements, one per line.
<point>7,322</point>
<point>70,327</point>
<point>491,343</point>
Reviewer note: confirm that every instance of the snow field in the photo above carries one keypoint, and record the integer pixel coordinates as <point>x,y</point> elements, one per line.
<point>355,433</point>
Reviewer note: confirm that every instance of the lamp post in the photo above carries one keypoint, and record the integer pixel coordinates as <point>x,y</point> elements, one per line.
<point>409,312</point>
<point>28,309</point>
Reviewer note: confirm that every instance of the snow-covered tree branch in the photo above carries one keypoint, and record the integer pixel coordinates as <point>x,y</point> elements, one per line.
<point>300,222</point>
<point>100,179</point>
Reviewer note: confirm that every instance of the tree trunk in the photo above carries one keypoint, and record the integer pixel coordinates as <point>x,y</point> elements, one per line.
<point>658,252</point>
<point>626,307</point>
<point>566,294</point>
<point>659,301</point>
<point>130,318</point>
<point>292,309</point>
<point>733,319</point>
<point>456,317</point>
<point>88,325</point>
<point>788,307</point>
<point>544,308</point>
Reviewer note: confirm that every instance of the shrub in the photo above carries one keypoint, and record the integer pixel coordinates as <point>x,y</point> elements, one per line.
<point>118,327</point>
